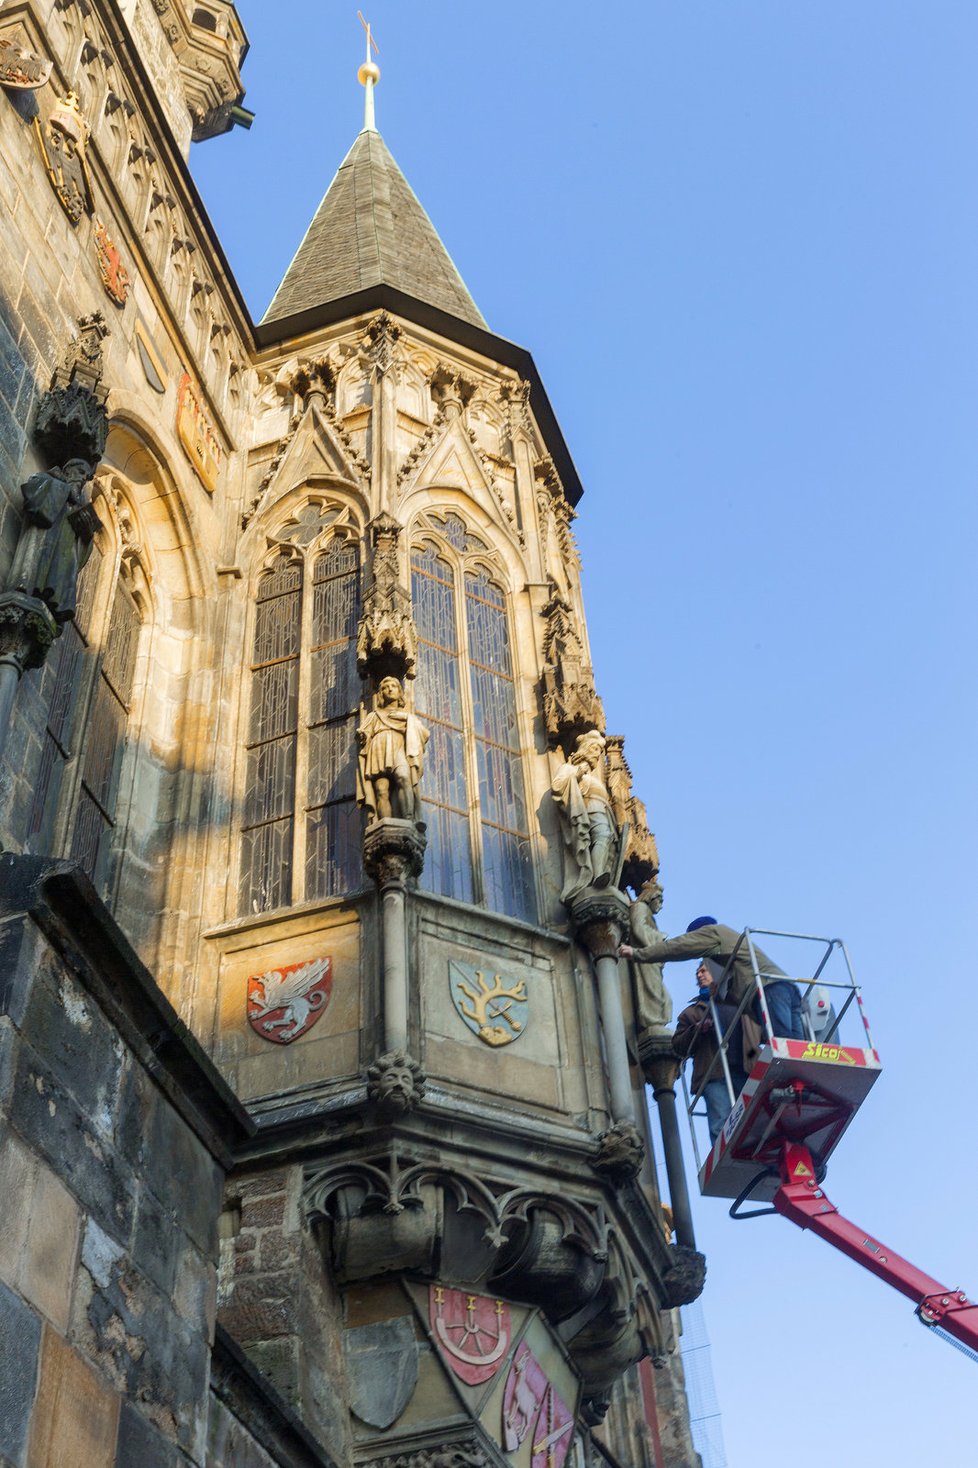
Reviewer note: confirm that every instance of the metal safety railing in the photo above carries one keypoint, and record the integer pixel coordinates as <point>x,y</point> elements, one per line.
<point>821,1026</point>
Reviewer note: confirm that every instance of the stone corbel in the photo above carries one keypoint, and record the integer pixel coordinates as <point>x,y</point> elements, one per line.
<point>72,419</point>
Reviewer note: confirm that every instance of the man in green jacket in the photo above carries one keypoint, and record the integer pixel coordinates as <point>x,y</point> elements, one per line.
<point>706,938</point>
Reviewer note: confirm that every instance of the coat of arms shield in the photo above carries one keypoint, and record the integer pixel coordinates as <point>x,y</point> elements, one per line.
<point>526,1387</point>
<point>474,1332</point>
<point>283,1003</point>
<point>115,276</point>
<point>20,69</point>
<point>553,1431</point>
<point>493,1007</point>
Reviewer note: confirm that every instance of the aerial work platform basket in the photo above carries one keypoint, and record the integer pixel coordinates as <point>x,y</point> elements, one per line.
<point>798,1091</point>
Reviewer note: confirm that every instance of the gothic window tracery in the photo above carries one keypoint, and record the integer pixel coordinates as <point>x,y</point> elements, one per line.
<point>301,836</point>
<point>472,791</point>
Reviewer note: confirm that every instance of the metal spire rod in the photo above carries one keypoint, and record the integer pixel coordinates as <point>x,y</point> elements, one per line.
<point>369,76</point>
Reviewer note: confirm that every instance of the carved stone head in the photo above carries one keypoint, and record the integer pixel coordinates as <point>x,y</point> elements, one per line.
<point>389,692</point>
<point>590,749</point>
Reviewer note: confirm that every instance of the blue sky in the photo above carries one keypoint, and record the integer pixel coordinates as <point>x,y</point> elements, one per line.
<point>740,239</point>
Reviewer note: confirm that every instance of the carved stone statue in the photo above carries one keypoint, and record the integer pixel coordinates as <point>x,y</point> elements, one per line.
<point>591,837</point>
<point>392,743</point>
<point>56,540</point>
<point>653,1004</point>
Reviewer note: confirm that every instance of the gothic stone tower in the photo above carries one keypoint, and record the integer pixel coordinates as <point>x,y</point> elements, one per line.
<point>306,693</point>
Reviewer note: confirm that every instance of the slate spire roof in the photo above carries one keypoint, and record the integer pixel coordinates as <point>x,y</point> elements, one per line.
<point>371,230</point>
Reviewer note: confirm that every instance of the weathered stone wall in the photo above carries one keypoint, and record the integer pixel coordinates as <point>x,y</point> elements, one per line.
<point>113,1138</point>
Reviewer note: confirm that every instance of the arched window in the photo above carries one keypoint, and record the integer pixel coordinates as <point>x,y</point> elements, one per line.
<point>472,791</point>
<point>87,684</point>
<point>301,830</point>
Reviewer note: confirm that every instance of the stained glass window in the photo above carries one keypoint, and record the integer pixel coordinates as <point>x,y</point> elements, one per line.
<point>506,873</point>
<point>438,702</point>
<point>473,766</point>
<point>333,845</point>
<point>88,687</point>
<point>304,654</point>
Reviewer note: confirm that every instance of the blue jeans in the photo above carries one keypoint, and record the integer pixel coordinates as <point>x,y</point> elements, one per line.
<point>717,1100</point>
<point>784,1007</point>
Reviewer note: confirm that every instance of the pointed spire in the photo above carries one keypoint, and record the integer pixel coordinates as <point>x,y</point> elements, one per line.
<point>371,230</point>
<point>369,76</point>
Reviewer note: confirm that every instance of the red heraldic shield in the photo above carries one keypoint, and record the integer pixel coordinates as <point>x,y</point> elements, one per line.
<point>283,1003</point>
<point>473,1331</point>
<point>526,1387</point>
<point>552,1431</point>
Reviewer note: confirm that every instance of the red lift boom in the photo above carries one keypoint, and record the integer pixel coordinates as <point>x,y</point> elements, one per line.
<point>799,1099</point>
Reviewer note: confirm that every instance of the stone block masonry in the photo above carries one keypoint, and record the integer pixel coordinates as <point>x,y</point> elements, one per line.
<point>115,1135</point>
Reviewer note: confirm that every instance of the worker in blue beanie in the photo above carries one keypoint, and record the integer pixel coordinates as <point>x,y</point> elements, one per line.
<point>706,938</point>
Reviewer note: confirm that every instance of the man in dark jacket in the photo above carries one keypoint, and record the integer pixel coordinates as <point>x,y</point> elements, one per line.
<point>706,938</point>
<point>696,1036</point>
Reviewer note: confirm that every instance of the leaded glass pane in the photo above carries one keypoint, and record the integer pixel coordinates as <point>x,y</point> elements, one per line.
<point>266,847</point>
<point>447,863</point>
<point>86,838</point>
<point>333,822</point>
<point>274,701</point>
<point>438,699</point>
<point>270,781</point>
<point>266,867</point>
<point>334,850</point>
<point>61,688</point>
<point>507,871</point>
<point>119,659</point>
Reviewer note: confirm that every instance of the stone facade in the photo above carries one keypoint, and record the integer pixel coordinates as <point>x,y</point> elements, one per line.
<point>404,1082</point>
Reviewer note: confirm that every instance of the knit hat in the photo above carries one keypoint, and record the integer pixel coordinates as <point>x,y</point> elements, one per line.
<point>701,922</point>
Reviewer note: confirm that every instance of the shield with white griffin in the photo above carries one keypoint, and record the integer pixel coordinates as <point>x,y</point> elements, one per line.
<point>283,1003</point>
<point>473,1332</point>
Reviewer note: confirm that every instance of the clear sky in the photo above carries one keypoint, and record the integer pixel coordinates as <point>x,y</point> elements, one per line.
<point>740,238</point>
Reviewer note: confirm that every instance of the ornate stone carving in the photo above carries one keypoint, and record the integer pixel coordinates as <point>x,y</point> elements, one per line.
<point>600,918</point>
<point>393,852</point>
<point>641,863</point>
<point>660,1065</point>
<point>381,337</point>
<point>72,420</point>
<point>466,1453</point>
<point>591,836</point>
<point>62,143</point>
<point>395,1083</point>
<point>27,630</point>
<point>653,1005</point>
<point>570,704</point>
<point>620,1153</point>
<point>685,1277</point>
<point>387,640</point>
<point>391,760</point>
<point>20,69</point>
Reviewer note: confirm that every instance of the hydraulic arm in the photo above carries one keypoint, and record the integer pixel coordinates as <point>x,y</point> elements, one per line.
<point>801,1198</point>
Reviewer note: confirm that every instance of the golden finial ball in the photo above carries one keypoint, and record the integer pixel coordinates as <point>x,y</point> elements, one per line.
<point>369,72</point>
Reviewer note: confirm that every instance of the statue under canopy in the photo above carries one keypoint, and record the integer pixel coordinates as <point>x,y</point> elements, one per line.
<point>591,836</point>
<point>389,769</point>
